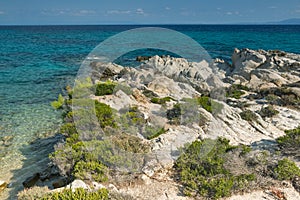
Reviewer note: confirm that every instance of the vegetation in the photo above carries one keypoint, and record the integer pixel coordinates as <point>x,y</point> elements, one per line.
<point>59,103</point>
<point>150,94</point>
<point>236,91</point>
<point>109,87</point>
<point>268,111</point>
<point>105,115</point>
<point>174,114</point>
<point>202,171</point>
<point>248,115</point>
<point>130,143</point>
<point>209,105</point>
<point>153,132</point>
<point>164,100</point>
<point>33,193</point>
<point>90,170</point>
<point>290,140</point>
<point>286,170</point>
<point>105,88</point>
<point>78,194</point>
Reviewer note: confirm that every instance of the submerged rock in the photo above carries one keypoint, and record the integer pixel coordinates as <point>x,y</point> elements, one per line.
<point>3,185</point>
<point>31,181</point>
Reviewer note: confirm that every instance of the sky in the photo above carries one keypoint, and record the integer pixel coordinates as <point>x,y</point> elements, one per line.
<point>45,12</point>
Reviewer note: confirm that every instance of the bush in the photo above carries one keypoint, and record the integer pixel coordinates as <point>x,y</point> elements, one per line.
<point>268,111</point>
<point>59,103</point>
<point>105,115</point>
<point>201,169</point>
<point>248,115</point>
<point>235,91</point>
<point>90,170</point>
<point>209,105</point>
<point>164,100</point>
<point>150,94</point>
<point>130,143</point>
<point>286,170</point>
<point>290,140</point>
<point>106,88</point>
<point>78,194</point>
<point>153,132</point>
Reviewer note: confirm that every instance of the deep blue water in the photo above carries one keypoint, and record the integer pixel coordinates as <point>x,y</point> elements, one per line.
<point>37,62</point>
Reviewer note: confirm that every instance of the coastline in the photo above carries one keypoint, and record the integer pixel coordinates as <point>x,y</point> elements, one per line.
<point>260,71</point>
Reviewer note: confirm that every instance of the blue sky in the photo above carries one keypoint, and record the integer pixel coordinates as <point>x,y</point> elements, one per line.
<point>145,12</point>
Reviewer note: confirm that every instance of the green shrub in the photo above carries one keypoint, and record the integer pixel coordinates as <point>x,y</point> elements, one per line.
<point>105,115</point>
<point>130,143</point>
<point>150,94</point>
<point>78,194</point>
<point>268,111</point>
<point>59,103</point>
<point>68,129</point>
<point>108,88</point>
<point>153,132</point>
<point>248,115</point>
<point>90,170</point>
<point>290,140</point>
<point>164,100</point>
<point>286,170</point>
<point>235,91</point>
<point>105,88</point>
<point>209,105</point>
<point>201,169</point>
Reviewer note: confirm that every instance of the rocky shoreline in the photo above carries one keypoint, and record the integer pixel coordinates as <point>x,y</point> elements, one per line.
<point>252,101</point>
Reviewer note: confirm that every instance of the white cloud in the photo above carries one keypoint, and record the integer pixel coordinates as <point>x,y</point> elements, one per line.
<point>272,7</point>
<point>140,11</point>
<point>83,13</point>
<point>118,12</point>
<point>297,11</point>
<point>68,12</point>
<point>167,8</point>
<point>2,12</point>
<point>233,13</point>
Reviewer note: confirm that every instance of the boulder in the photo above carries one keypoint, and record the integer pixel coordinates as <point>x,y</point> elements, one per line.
<point>61,182</point>
<point>31,181</point>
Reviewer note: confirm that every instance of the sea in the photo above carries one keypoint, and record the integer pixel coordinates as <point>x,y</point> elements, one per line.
<point>38,62</point>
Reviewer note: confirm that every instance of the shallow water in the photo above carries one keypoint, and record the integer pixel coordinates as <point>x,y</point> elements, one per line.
<point>37,62</point>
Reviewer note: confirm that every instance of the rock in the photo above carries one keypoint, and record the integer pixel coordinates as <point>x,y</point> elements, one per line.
<point>113,188</point>
<point>97,186</point>
<point>78,184</point>
<point>244,61</point>
<point>7,140</point>
<point>60,182</point>
<point>142,58</point>
<point>31,181</point>
<point>3,185</point>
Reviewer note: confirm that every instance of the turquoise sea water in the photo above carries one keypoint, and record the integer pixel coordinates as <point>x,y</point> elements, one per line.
<point>37,62</point>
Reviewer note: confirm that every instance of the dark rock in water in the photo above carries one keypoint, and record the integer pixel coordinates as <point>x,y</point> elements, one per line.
<point>3,185</point>
<point>31,181</point>
<point>60,183</point>
<point>142,58</point>
<point>50,172</point>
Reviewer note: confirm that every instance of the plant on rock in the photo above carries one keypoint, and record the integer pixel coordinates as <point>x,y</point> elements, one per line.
<point>59,103</point>
<point>90,170</point>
